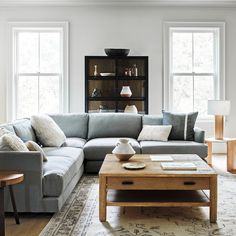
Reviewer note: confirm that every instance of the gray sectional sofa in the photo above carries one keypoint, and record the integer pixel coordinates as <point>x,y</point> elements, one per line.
<point>90,137</point>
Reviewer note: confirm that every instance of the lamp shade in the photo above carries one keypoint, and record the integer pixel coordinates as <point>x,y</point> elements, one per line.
<point>218,107</point>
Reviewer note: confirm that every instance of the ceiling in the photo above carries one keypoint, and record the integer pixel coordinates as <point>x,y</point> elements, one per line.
<point>209,3</point>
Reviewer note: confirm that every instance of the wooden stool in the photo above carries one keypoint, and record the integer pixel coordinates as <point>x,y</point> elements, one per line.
<point>8,178</point>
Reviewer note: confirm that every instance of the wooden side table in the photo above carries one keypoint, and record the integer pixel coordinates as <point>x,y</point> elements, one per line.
<point>8,178</point>
<point>231,152</point>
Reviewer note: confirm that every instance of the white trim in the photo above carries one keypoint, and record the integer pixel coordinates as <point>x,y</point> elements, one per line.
<point>13,28</point>
<point>141,3</point>
<point>220,26</point>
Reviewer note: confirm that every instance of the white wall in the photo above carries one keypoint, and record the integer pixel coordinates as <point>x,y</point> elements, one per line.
<point>139,28</point>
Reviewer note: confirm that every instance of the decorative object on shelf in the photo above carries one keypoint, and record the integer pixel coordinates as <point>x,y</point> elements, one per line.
<point>130,72</point>
<point>107,74</point>
<point>219,108</point>
<point>135,70</point>
<point>95,73</point>
<point>103,108</point>
<point>126,71</point>
<point>125,92</point>
<point>134,165</point>
<point>123,150</point>
<point>116,52</point>
<point>131,109</point>
<point>96,93</point>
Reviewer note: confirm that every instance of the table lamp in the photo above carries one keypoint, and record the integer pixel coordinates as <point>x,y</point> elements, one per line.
<point>219,108</point>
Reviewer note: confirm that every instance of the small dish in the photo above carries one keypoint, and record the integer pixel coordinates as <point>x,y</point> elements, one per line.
<point>134,165</point>
<point>107,74</point>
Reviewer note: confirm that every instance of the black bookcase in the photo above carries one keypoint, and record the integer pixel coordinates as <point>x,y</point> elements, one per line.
<point>120,72</point>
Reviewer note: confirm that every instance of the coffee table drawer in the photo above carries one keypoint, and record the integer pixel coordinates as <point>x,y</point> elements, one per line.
<point>157,183</point>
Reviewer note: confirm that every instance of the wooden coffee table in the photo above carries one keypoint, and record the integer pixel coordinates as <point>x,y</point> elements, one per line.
<point>160,188</point>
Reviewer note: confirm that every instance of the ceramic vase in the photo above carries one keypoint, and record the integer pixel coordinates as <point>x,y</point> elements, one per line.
<point>125,92</point>
<point>123,150</point>
<point>131,109</point>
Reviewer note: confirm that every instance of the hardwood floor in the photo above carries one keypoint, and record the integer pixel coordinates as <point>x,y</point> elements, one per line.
<point>32,224</point>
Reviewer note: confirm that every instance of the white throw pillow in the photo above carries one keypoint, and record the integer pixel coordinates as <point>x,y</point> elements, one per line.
<point>10,142</point>
<point>47,131</point>
<point>33,146</point>
<point>155,133</point>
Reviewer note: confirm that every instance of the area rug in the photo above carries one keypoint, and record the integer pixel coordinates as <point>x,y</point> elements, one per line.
<point>79,216</point>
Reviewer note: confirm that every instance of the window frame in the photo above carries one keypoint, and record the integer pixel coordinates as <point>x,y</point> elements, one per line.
<point>168,29</point>
<point>13,29</point>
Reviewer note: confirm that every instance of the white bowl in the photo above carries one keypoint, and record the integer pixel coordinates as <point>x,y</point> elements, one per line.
<point>107,74</point>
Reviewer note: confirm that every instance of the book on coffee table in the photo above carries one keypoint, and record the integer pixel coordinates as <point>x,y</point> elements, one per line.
<point>178,166</point>
<point>161,158</point>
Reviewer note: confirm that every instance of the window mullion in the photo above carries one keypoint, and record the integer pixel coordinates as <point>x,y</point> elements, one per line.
<point>193,69</point>
<point>39,70</point>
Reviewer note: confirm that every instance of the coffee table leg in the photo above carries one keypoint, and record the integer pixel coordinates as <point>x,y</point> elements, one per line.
<point>209,155</point>
<point>213,199</point>
<point>2,217</point>
<point>102,198</point>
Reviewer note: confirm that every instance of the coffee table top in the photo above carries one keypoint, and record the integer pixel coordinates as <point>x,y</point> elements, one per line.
<point>113,167</point>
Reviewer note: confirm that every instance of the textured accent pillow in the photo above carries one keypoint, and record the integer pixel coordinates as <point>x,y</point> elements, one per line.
<point>10,142</point>
<point>47,131</point>
<point>155,133</point>
<point>182,125</point>
<point>33,146</point>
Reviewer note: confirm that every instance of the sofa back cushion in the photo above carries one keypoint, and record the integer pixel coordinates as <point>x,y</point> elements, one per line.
<point>152,120</point>
<point>102,125</point>
<point>24,130</point>
<point>72,124</point>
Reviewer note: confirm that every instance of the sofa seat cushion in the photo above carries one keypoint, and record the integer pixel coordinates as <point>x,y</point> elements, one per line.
<point>174,147</point>
<point>96,149</point>
<point>62,165</point>
<point>74,142</point>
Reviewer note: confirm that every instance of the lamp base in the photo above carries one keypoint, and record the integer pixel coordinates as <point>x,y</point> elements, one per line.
<point>219,127</point>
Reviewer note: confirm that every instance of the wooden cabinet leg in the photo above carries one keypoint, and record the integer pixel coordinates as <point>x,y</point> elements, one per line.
<point>231,156</point>
<point>102,198</point>
<point>2,218</point>
<point>213,199</point>
<point>209,155</point>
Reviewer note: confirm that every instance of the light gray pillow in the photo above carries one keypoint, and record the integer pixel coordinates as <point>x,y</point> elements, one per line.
<point>155,133</point>
<point>10,142</point>
<point>33,146</point>
<point>182,125</point>
<point>4,131</point>
<point>47,131</point>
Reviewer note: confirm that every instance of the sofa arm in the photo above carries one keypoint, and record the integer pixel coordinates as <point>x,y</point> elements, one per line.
<point>28,194</point>
<point>199,135</point>
<point>21,161</point>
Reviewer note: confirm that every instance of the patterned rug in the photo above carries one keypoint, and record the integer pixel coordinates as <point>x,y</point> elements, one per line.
<point>79,215</point>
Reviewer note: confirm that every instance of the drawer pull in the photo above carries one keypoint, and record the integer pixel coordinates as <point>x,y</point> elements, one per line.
<point>127,182</point>
<point>189,183</point>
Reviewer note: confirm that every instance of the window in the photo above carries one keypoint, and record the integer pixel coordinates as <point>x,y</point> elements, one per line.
<point>194,67</point>
<point>39,69</point>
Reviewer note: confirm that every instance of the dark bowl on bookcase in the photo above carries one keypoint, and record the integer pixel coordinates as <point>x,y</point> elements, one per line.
<point>117,52</point>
